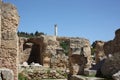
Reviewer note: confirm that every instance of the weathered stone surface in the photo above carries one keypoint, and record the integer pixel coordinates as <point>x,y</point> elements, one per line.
<point>9,38</point>
<point>39,73</point>
<point>24,50</point>
<point>113,46</point>
<point>98,67</point>
<point>116,76</point>
<point>79,56</point>
<point>0,20</point>
<point>112,51</point>
<point>98,50</point>
<point>79,77</point>
<point>47,51</point>
<point>6,74</point>
<point>77,64</point>
<point>59,60</point>
<point>111,65</point>
<point>51,45</point>
<point>90,72</point>
<point>38,50</point>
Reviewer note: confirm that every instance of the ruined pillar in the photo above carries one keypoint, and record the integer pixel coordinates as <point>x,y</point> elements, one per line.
<point>79,56</point>
<point>56,30</point>
<point>9,38</point>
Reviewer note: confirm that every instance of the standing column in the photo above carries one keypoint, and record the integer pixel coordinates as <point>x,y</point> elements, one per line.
<point>55,31</point>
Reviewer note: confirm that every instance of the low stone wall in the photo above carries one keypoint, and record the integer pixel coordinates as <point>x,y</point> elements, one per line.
<point>39,73</point>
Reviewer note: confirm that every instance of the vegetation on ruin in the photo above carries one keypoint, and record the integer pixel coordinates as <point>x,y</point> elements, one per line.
<point>92,51</point>
<point>61,73</point>
<point>29,35</point>
<point>65,46</point>
<point>22,77</point>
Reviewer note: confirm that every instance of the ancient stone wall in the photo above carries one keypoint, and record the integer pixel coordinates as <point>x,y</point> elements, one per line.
<point>79,56</point>
<point>24,50</point>
<point>98,50</point>
<point>9,38</point>
<point>0,20</point>
<point>50,53</point>
<point>38,50</point>
<point>112,51</point>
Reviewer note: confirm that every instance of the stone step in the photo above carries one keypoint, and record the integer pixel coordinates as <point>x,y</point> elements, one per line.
<point>79,77</point>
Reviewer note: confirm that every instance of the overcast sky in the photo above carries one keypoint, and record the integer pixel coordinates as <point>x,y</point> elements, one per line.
<point>91,19</point>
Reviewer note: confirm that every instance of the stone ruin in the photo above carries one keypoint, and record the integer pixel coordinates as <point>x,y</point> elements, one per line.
<point>98,51</point>
<point>112,51</point>
<point>46,51</point>
<point>9,20</point>
<point>37,50</point>
<point>107,56</point>
<point>79,56</point>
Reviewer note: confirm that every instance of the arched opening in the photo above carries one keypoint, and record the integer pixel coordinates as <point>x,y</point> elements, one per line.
<point>35,55</point>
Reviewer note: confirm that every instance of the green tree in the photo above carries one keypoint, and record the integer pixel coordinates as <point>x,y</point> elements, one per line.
<point>65,46</point>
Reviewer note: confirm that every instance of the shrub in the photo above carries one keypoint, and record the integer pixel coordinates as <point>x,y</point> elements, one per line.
<point>22,77</point>
<point>65,46</point>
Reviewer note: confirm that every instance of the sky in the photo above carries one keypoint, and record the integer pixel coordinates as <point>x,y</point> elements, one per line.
<point>90,19</point>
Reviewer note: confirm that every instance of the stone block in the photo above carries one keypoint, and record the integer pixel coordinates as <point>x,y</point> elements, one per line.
<point>116,76</point>
<point>6,74</point>
<point>79,77</point>
<point>90,72</point>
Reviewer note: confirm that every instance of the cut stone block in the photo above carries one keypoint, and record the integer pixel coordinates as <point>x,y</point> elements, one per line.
<point>6,74</point>
<point>90,72</point>
<point>79,77</point>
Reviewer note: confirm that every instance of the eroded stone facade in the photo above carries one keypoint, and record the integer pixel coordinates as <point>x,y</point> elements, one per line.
<point>79,56</point>
<point>51,54</point>
<point>9,39</point>
<point>112,51</point>
<point>98,51</point>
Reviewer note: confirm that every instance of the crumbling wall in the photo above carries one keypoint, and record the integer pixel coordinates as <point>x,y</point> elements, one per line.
<point>0,20</point>
<point>24,50</point>
<point>112,51</point>
<point>98,51</point>
<point>9,38</point>
<point>38,49</point>
<point>79,56</point>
